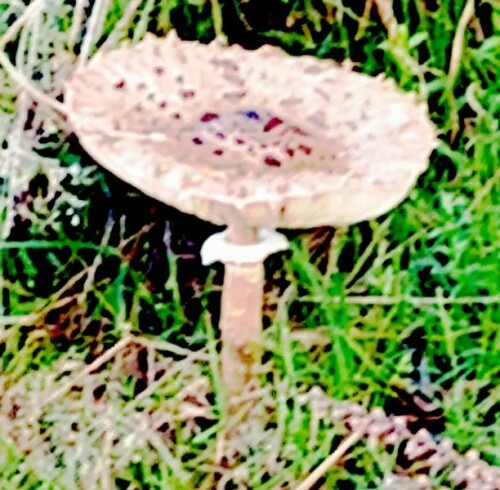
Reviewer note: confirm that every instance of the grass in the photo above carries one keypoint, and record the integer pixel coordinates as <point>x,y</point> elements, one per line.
<point>108,340</point>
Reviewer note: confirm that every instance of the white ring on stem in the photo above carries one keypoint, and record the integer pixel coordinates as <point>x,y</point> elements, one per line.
<point>218,248</point>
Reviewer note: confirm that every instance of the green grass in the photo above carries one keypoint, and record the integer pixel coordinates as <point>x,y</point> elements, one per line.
<point>403,304</point>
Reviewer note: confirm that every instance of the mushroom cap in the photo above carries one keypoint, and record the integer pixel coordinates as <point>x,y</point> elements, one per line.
<point>255,137</point>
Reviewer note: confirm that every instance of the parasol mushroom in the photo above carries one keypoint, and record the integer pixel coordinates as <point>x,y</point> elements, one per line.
<point>255,140</point>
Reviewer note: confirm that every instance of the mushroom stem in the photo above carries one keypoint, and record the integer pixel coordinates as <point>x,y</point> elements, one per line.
<point>241,324</point>
<point>243,250</point>
<point>241,313</point>
<point>242,235</point>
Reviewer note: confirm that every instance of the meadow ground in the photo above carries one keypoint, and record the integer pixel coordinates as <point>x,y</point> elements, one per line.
<point>108,322</point>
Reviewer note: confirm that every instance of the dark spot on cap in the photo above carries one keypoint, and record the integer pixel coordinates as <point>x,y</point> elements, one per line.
<point>305,149</point>
<point>209,116</point>
<point>219,152</point>
<point>252,115</point>
<point>141,86</point>
<point>159,70</point>
<point>290,152</point>
<point>272,162</point>
<point>272,123</point>
<point>162,104</point>
<point>176,115</point>
<point>297,130</point>
<point>239,141</point>
<point>220,135</point>
<point>188,94</point>
<point>197,141</point>
<point>120,84</point>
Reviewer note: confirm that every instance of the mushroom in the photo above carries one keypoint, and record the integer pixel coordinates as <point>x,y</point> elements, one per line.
<point>255,140</point>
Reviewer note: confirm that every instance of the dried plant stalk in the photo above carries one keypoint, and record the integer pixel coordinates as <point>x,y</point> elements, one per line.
<point>435,456</point>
